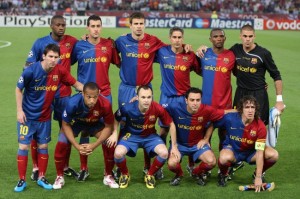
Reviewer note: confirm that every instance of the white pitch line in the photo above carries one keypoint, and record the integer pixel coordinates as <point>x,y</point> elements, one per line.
<point>6,44</point>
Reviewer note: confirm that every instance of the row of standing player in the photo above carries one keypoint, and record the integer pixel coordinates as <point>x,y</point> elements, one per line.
<point>145,47</point>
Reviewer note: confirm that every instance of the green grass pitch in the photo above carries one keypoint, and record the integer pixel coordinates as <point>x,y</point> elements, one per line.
<point>284,46</point>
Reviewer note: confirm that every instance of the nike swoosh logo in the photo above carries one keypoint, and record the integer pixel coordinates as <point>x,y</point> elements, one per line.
<point>37,80</point>
<point>128,45</point>
<point>181,118</point>
<point>85,51</point>
<point>232,128</point>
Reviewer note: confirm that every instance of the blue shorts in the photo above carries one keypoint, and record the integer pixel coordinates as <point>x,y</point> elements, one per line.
<point>59,105</point>
<point>133,142</point>
<point>242,156</point>
<point>192,151</point>
<point>166,100</point>
<point>126,93</point>
<point>86,130</point>
<point>41,131</point>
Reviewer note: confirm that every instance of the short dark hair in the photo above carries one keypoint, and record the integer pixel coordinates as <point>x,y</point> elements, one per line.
<point>93,18</point>
<point>136,15</point>
<point>56,17</point>
<point>246,99</point>
<point>193,90</point>
<point>145,87</point>
<point>51,47</point>
<point>90,85</point>
<point>216,29</point>
<point>247,27</point>
<point>176,29</point>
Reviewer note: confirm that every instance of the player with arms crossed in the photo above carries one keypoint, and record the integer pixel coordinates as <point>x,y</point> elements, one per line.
<point>40,82</point>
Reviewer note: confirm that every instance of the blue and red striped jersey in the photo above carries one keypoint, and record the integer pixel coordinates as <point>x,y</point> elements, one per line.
<point>175,70</point>
<point>216,73</point>
<point>190,128</point>
<point>240,137</point>
<point>77,111</point>
<point>40,88</point>
<point>66,46</point>
<point>142,124</point>
<point>137,58</point>
<point>94,61</point>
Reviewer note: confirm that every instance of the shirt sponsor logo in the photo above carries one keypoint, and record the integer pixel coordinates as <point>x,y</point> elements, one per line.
<point>175,67</point>
<point>45,88</point>
<point>246,69</point>
<point>190,128</point>
<point>216,68</point>
<point>239,139</point>
<point>138,55</point>
<point>95,59</point>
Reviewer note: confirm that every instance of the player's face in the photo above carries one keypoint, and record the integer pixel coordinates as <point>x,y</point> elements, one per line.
<point>176,39</point>
<point>137,27</point>
<point>193,102</point>
<point>218,39</point>
<point>248,111</point>
<point>145,99</point>
<point>50,60</point>
<point>247,37</point>
<point>95,28</point>
<point>58,27</point>
<point>90,97</point>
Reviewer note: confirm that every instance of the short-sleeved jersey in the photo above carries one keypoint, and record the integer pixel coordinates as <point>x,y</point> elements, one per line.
<point>142,124</point>
<point>76,111</point>
<point>251,67</point>
<point>190,128</point>
<point>40,88</point>
<point>175,70</point>
<point>240,137</point>
<point>216,73</point>
<point>66,46</point>
<point>94,61</point>
<point>137,58</point>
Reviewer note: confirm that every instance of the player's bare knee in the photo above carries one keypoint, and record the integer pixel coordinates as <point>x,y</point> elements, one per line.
<point>172,163</point>
<point>24,147</point>
<point>163,153</point>
<point>43,146</point>
<point>118,154</point>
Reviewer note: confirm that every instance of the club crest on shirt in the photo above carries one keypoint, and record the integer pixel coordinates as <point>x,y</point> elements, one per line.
<point>253,133</point>
<point>96,113</point>
<point>55,77</point>
<point>103,49</point>
<point>68,45</point>
<point>200,119</point>
<point>185,58</point>
<point>152,118</point>
<point>147,45</point>
<point>253,60</point>
<point>226,60</point>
